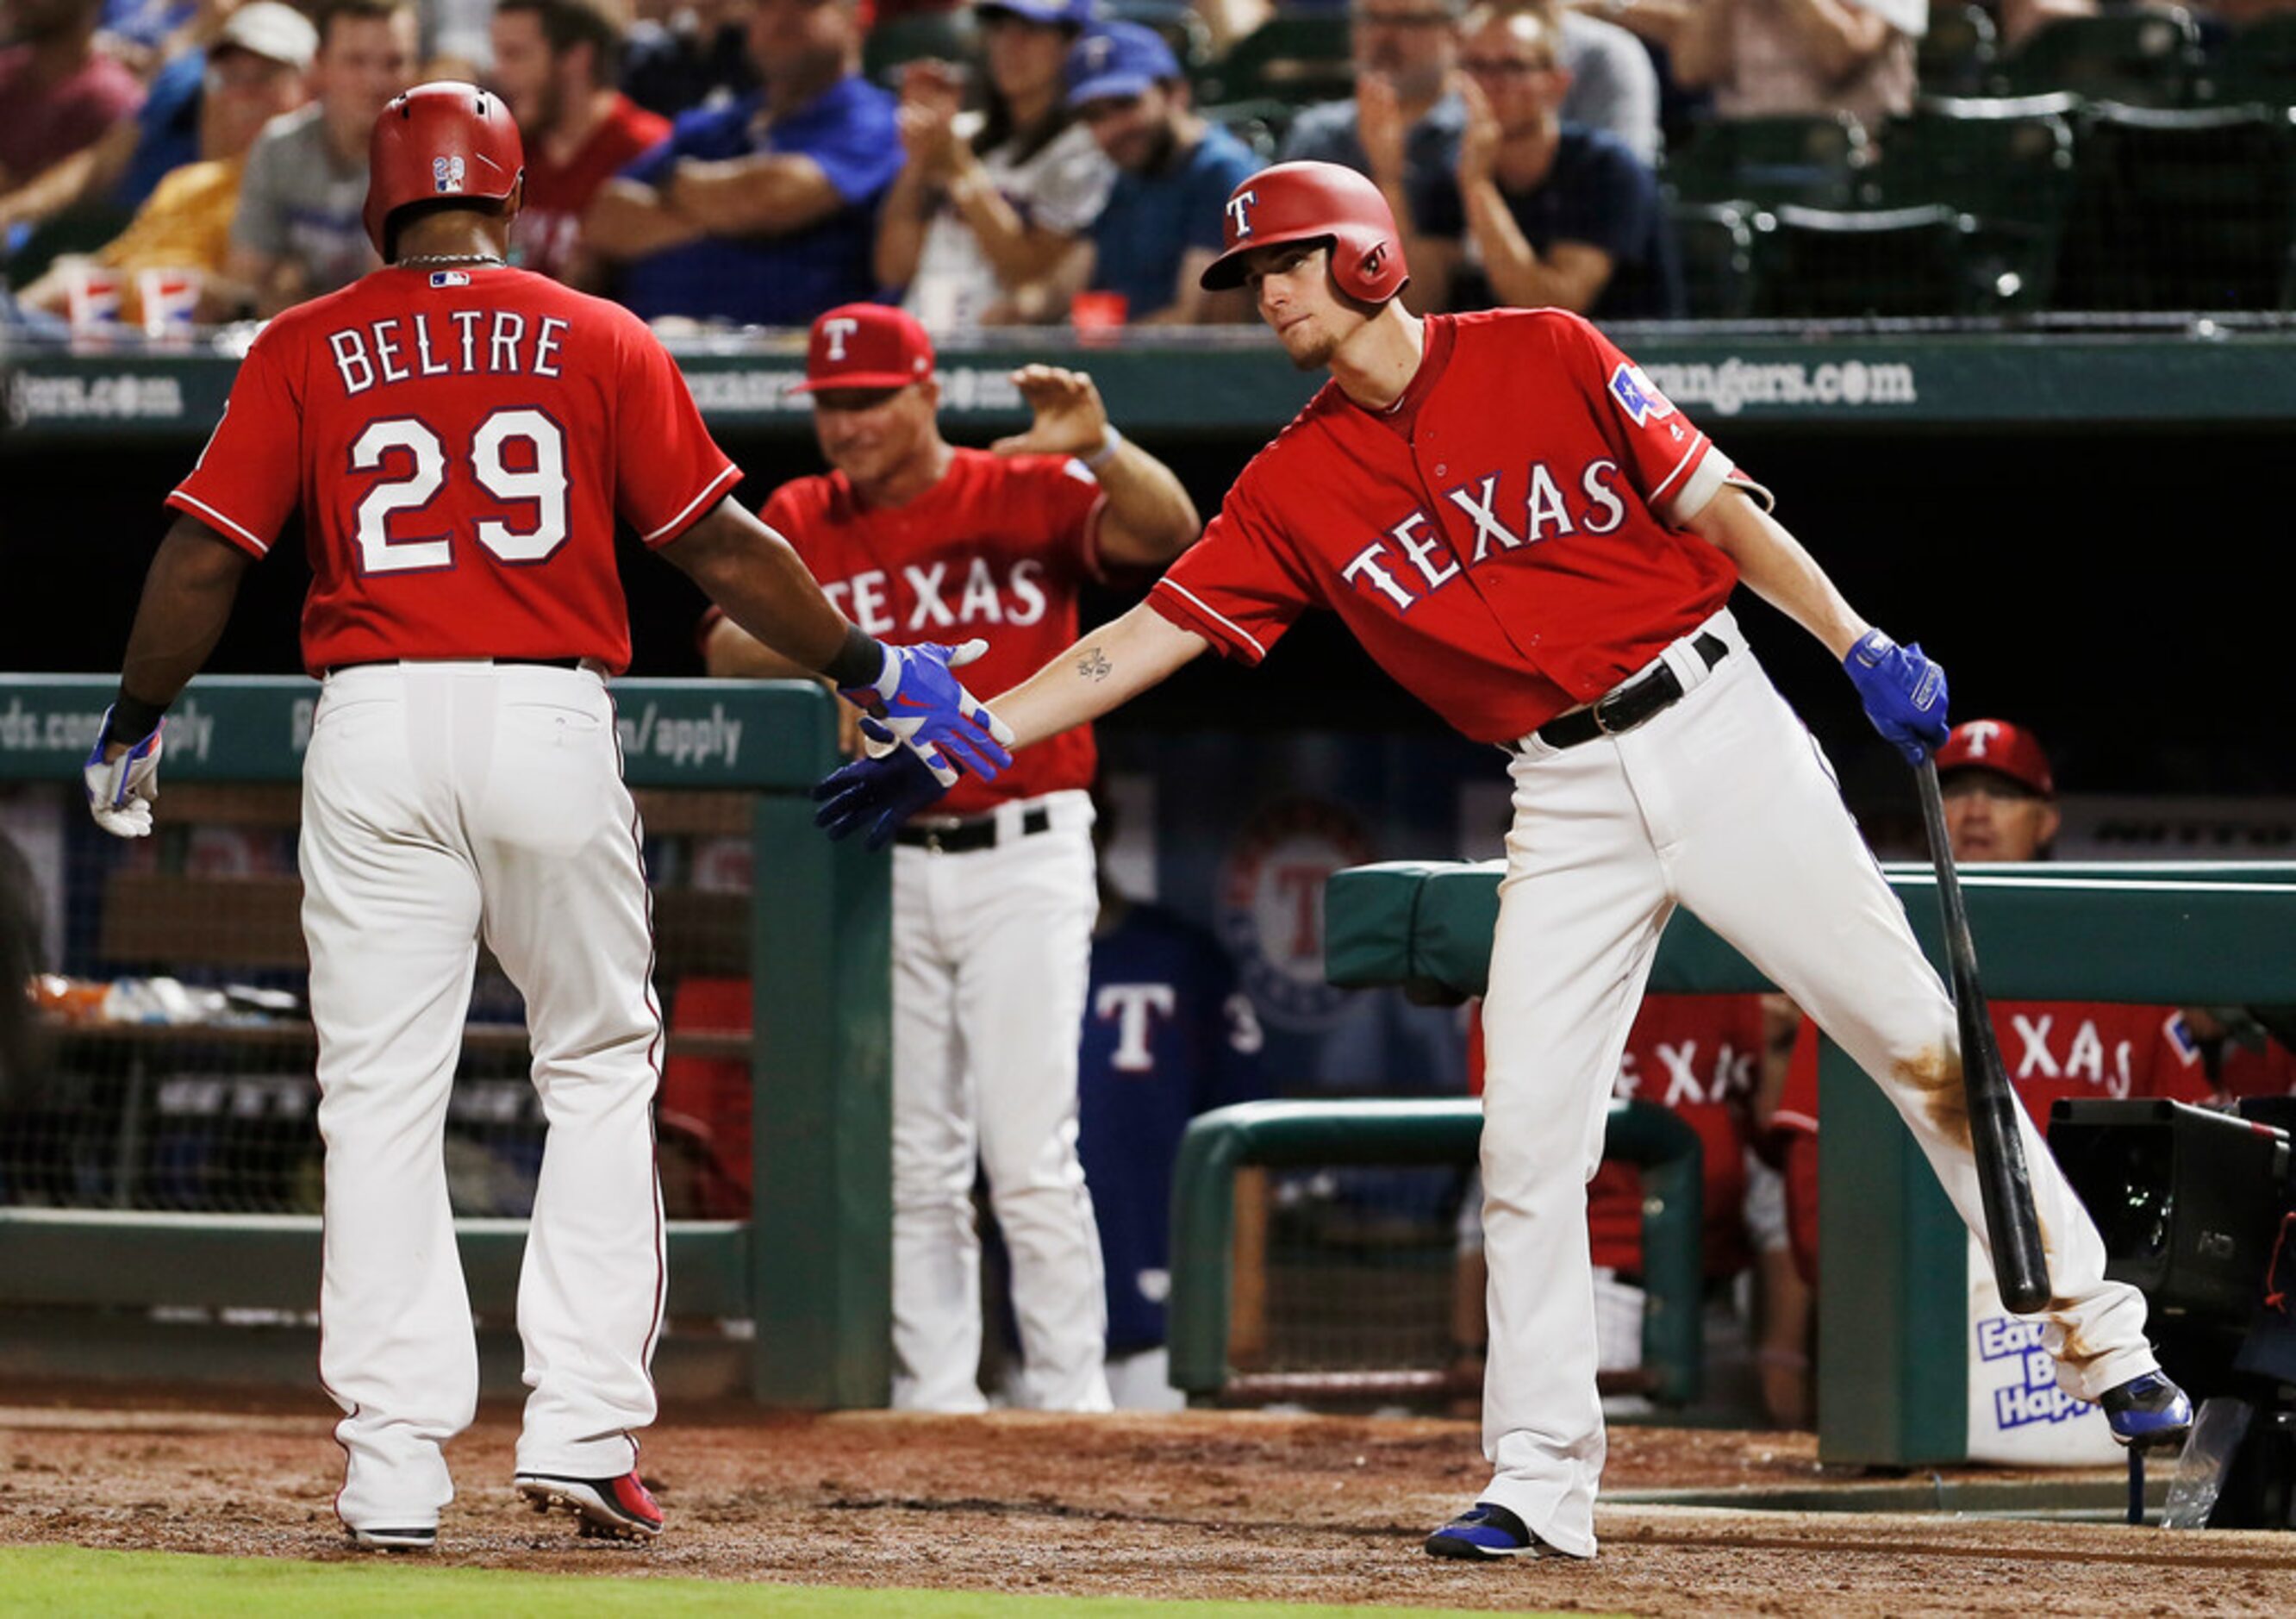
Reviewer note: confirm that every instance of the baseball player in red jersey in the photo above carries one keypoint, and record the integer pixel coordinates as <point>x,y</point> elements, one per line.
<point>1523,532</point>
<point>461,438</point>
<point>2000,804</point>
<point>993,900</point>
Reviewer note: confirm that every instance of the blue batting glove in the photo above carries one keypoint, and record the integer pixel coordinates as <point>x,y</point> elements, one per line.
<point>918,698</point>
<point>1904,694</point>
<point>881,791</point>
<point>120,791</point>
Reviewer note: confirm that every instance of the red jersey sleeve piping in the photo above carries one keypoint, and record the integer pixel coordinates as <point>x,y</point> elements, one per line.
<point>1787,1117</point>
<point>1088,539</point>
<point>1680,466</point>
<point>236,533</point>
<point>1182,606</point>
<point>686,514</point>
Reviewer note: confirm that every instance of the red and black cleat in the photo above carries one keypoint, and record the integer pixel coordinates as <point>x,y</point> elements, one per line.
<point>614,1508</point>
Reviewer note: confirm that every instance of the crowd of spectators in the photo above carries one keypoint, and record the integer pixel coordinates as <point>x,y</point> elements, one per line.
<point>752,162</point>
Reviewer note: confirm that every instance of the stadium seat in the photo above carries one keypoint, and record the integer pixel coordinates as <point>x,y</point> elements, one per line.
<point>1259,124</point>
<point>1716,240</point>
<point>2144,56</point>
<point>2009,163</point>
<point>2256,65</point>
<point>2180,209</point>
<point>1956,54</point>
<point>1183,27</point>
<point>1813,160</point>
<point>894,43</point>
<point>1844,265</point>
<point>1299,57</point>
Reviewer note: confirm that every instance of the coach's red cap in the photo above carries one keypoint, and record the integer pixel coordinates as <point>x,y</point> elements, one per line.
<point>865,345</point>
<point>1997,745</point>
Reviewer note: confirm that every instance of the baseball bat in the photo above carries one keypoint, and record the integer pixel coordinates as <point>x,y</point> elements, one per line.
<point>2020,1266</point>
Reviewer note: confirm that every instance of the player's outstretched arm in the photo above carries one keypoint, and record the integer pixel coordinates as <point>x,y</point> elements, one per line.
<point>1904,691</point>
<point>754,575</point>
<point>1775,566</point>
<point>1101,672</point>
<point>188,592</point>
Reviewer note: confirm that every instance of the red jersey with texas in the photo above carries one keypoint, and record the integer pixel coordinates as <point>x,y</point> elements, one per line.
<point>996,548</point>
<point>1699,1057</point>
<point>1503,540</point>
<point>548,230</point>
<point>460,443</point>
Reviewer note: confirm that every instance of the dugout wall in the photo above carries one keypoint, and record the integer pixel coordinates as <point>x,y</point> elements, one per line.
<point>125,1289</point>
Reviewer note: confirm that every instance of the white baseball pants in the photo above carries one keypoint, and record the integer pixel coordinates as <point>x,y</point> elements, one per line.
<point>443,802</point>
<point>992,951</point>
<point>1724,804</point>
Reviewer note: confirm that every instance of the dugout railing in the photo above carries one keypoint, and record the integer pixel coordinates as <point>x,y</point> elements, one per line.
<point>796,1293</point>
<point>1893,1378</point>
<point>1392,1134</point>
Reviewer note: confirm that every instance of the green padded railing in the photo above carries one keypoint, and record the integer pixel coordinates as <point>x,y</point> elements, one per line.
<point>1402,1133</point>
<point>2178,934</point>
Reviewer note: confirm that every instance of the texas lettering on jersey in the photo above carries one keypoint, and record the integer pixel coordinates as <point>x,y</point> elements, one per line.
<point>998,548</point>
<point>1506,541</point>
<point>463,442</point>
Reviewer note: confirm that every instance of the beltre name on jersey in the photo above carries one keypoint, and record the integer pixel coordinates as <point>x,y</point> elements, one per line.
<point>447,342</point>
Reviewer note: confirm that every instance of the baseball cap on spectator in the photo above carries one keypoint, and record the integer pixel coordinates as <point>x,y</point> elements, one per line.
<point>1045,14</point>
<point>274,32</point>
<point>865,345</point>
<point>2004,748</point>
<point>1118,61</point>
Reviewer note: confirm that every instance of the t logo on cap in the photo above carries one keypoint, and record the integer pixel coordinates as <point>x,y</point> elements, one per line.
<point>1981,734</point>
<point>865,346</point>
<point>1239,208</point>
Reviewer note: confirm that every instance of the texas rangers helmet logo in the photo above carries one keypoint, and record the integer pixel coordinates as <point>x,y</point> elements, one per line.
<point>1269,907</point>
<point>834,334</point>
<point>1239,213</point>
<point>1637,397</point>
<point>1979,734</point>
<point>445,174</point>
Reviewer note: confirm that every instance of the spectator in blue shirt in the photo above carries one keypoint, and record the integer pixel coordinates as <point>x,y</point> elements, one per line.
<point>1546,214</point>
<point>761,212</point>
<point>1161,225</point>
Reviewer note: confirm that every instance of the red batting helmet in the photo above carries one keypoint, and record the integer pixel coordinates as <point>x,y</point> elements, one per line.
<point>1310,202</point>
<point>439,142</point>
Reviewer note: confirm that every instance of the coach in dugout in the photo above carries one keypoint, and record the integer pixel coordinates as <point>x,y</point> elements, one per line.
<point>2001,805</point>
<point>994,897</point>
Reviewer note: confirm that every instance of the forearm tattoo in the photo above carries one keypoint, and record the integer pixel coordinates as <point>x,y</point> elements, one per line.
<point>1095,665</point>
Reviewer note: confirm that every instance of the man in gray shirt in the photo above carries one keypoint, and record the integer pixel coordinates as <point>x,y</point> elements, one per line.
<point>298,231</point>
<point>1405,54</point>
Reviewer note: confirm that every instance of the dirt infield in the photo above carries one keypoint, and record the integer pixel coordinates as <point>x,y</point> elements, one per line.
<point>1236,1506</point>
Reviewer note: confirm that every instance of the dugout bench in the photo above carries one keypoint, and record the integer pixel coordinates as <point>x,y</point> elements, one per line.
<point>816,939</point>
<point>1892,1314</point>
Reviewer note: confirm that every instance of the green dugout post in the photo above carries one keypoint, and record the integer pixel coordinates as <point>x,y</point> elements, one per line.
<point>811,1268</point>
<point>1892,1384</point>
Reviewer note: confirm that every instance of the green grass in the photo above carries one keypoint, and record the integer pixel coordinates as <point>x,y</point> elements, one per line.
<point>170,1585</point>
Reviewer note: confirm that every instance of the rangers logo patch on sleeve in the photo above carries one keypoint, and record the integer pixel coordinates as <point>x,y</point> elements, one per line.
<point>1642,402</point>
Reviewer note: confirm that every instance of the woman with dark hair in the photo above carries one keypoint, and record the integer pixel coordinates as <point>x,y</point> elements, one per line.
<point>992,207</point>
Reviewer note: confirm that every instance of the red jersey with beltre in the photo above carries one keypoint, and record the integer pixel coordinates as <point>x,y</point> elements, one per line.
<point>997,548</point>
<point>1503,566</point>
<point>460,442</point>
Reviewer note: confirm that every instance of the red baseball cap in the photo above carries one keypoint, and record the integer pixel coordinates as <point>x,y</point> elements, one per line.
<point>1997,745</point>
<point>865,345</point>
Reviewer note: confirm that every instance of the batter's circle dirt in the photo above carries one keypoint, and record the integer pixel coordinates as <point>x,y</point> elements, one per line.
<point>1328,1509</point>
